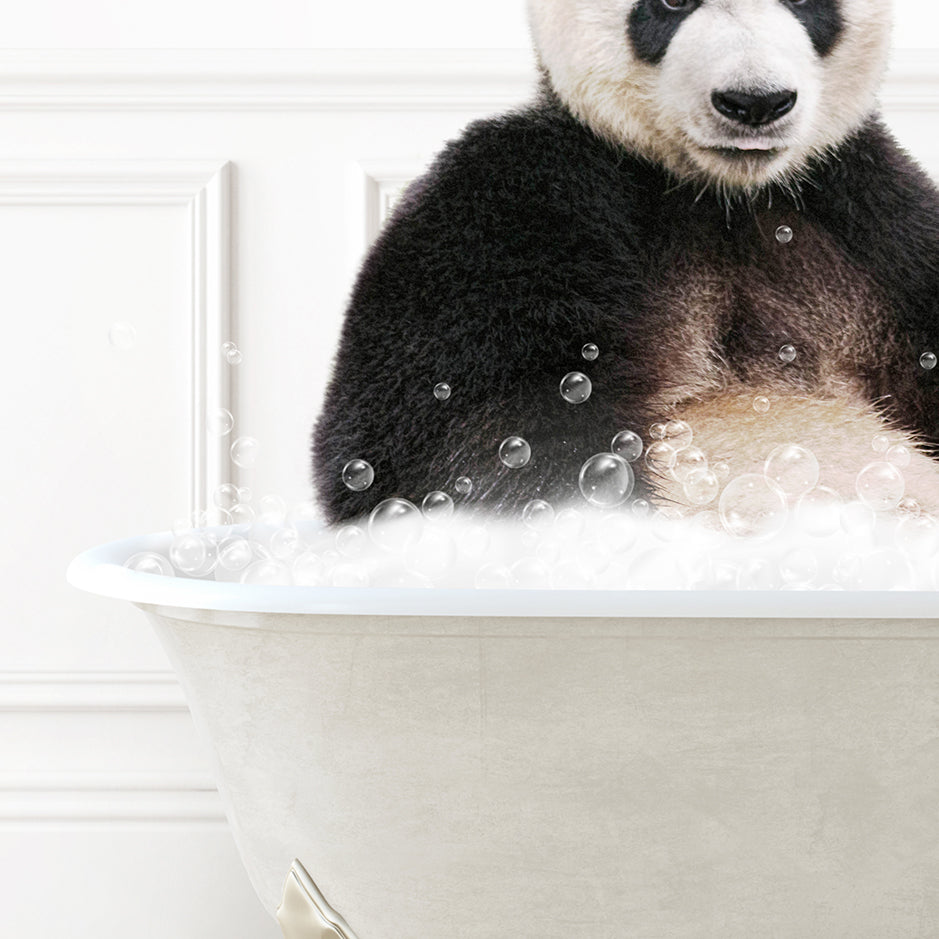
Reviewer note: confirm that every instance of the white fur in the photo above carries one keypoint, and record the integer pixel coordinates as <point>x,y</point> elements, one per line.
<point>664,111</point>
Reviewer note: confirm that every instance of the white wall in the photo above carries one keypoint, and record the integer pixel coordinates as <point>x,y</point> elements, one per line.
<point>230,24</point>
<point>119,175</point>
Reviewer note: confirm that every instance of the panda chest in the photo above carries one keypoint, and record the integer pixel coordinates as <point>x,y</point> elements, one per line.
<point>760,309</point>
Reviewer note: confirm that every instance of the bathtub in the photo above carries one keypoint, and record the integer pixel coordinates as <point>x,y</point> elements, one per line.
<point>446,764</point>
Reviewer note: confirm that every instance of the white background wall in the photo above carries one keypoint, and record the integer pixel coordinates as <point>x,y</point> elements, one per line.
<point>109,157</point>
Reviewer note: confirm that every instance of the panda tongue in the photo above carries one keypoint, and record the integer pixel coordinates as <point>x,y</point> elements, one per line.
<point>752,145</point>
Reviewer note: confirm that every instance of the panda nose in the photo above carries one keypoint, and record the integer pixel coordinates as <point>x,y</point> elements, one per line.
<point>753,110</point>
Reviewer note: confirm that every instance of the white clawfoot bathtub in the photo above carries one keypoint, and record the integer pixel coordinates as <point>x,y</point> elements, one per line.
<point>549,764</point>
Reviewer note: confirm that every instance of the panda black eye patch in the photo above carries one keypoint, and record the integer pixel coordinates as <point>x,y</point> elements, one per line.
<point>821,19</point>
<point>653,23</point>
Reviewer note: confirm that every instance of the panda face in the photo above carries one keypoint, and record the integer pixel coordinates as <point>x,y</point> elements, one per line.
<point>737,93</point>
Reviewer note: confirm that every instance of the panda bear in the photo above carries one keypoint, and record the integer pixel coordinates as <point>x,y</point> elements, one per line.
<point>699,185</point>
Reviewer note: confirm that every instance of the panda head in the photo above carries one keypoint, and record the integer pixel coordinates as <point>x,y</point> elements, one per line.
<point>737,93</point>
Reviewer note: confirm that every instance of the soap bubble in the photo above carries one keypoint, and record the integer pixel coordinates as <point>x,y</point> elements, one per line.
<point>442,391</point>
<point>576,387</point>
<point>928,360</point>
<point>244,452</point>
<point>195,519</point>
<point>758,574</point>
<point>799,566</point>
<point>661,457</point>
<point>349,575</point>
<point>231,353</point>
<point>721,470</point>
<point>761,404</point>
<point>474,542</point>
<point>881,569</point>
<point>395,524</point>
<point>351,541</point>
<point>285,543</point>
<point>590,351</point>
<point>641,508</point>
<point>880,443</point>
<point>225,496</point>
<point>122,336</point>
<point>220,422</point>
<point>493,577</point>
<point>606,480</point>
<point>530,574</point>
<point>751,506</point>
<point>192,554</point>
<point>572,574</point>
<point>538,515</point>
<point>235,554</point>
<point>784,234</point>
<point>267,572</point>
<point>435,552</point>
<point>628,445</point>
<point>880,486</point>
<point>358,475</point>
<point>514,452</point>
<point>857,519</point>
<point>918,536</point>
<point>787,353</point>
<point>688,461</point>
<point>792,468</point>
<point>241,513</point>
<point>149,562</point>
<point>678,434</point>
<point>701,487</point>
<point>272,510</point>
<point>899,456</point>
<point>617,532</point>
<point>309,569</point>
<point>657,431</point>
<point>819,512</point>
<point>463,485</point>
<point>437,505</point>
<point>569,524</point>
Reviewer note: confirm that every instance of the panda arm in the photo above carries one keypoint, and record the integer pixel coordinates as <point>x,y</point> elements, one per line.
<point>495,271</point>
<point>884,210</point>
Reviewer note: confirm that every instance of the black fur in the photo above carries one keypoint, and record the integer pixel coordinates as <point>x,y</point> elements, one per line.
<point>821,19</point>
<point>530,237</point>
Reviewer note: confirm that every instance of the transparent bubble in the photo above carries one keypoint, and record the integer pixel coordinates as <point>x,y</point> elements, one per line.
<point>701,487</point>
<point>349,575</point>
<point>761,404</point>
<point>241,513</point>
<point>358,475</point>
<point>267,572</point>
<point>657,431</point>
<point>661,457</point>
<point>572,574</point>
<point>857,519</point>
<point>351,541</point>
<point>493,577</point>
<point>474,542</point>
<point>641,508</point>
<point>220,422</point>
<point>576,387</point>
<point>395,524</point>
<point>463,485</point>
<point>758,574</point>
<point>881,569</point>
<point>514,452</point>
<point>688,461</point>
<point>435,553</point>
<point>880,443</point>
<point>285,543</point>
<point>899,456</point>
<point>918,536</point>
<point>792,468</point>
<point>799,566</point>
<point>679,434</point>
<point>272,510</point>
<point>244,452</point>
<point>437,505</point>
<point>721,470</point>
<point>787,353</point>
<point>628,445</point>
<point>569,524</point>
<point>442,391</point>
<point>590,351</point>
<point>194,520</point>
<point>538,515</point>
<point>663,523</point>
<point>231,353</point>
<point>784,234</point>
<point>149,562</point>
<point>750,506</point>
<point>226,496</point>
<point>617,531</point>
<point>819,512</point>
<point>122,336</point>
<point>309,569</point>
<point>880,486</point>
<point>235,554</point>
<point>190,553</point>
<point>304,514</point>
<point>530,574</point>
<point>928,360</point>
<point>606,480</point>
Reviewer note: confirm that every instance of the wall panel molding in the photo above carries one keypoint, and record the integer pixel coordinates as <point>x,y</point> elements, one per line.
<point>202,189</point>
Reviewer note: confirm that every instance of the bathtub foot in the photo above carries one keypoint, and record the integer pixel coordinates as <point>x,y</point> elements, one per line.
<point>304,913</point>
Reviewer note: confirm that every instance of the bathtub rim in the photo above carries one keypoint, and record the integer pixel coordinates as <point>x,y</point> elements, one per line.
<point>100,570</point>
